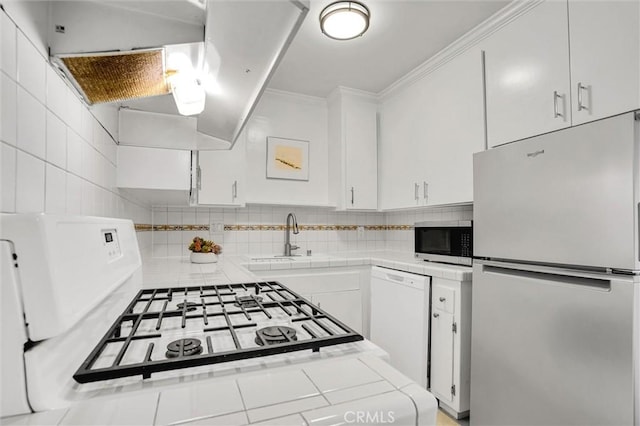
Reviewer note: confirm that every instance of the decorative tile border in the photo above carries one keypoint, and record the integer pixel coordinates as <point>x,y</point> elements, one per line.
<point>147,227</point>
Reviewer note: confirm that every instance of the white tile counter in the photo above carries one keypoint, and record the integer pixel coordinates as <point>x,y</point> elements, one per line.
<point>172,271</point>
<point>402,261</point>
<point>321,392</point>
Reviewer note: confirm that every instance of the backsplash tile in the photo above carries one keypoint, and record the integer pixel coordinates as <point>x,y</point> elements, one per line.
<point>7,178</point>
<point>261,229</point>
<point>56,190</point>
<point>32,120</point>
<point>55,156</point>
<point>30,184</point>
<point>56,141</point>
<point>31,68</point>
<point>8,110</point>
<point>8,45</point>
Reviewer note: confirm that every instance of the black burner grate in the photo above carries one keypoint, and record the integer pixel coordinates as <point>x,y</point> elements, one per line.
<point>218,311</point>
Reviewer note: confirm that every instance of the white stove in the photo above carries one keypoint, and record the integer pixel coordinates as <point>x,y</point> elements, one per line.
<point>80,335</point>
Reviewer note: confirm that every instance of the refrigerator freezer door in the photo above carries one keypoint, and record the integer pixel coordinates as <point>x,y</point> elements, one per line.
<point>551,349</point>
<point>562,198</point>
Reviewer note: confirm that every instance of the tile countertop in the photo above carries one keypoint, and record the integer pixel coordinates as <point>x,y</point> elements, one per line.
<point>176,271</point>
<point>322,396</point>
<point>318,393</point>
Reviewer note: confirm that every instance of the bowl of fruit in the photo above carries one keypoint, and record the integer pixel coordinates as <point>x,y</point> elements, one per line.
<point>204,251</point>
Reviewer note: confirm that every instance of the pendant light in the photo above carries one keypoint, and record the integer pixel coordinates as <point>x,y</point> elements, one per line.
<point>344,20</point>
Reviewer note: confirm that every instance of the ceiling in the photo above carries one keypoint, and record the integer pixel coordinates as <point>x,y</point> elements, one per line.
<point>402,35</point>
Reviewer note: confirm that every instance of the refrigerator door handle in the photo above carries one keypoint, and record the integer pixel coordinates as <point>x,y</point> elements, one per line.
<point>561,279</point>
<point>551,270</point>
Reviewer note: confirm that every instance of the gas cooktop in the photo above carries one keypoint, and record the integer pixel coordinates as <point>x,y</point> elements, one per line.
<point>172,328</point>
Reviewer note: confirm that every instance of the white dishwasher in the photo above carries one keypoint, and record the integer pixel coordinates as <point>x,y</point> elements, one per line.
<point>400,308</point>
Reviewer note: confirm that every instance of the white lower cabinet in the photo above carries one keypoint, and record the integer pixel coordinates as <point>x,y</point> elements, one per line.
<point>442,380</point>
<point>451,344</point>
<point>344,305</point>
<point>339,291</point>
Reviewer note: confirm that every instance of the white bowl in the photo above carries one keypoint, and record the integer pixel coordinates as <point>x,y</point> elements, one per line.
<point>203,257</point>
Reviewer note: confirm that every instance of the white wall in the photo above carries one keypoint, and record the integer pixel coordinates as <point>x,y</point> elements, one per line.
<point>291,116</point>
<point>55,156</point>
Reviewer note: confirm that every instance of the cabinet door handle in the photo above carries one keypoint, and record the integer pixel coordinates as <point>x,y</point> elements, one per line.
<point>425,189</point>
<point>352,195</point>
<point>436,315</point>
<point>199,178</point>
<point>416,187</point>
<point>234,189</point>
<point>442,299</point>
<point>556,112</point>
<point>581,105</point>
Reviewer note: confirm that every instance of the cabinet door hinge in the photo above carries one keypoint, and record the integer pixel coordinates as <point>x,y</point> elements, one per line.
<point>454,327</point>
<point>453,390</point>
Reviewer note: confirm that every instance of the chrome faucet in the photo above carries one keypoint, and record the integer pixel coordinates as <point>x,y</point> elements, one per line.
<point>287,236</point>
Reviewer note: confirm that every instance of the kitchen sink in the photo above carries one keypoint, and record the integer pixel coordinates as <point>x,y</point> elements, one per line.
<point>282,258</point>
<point>272,259</point>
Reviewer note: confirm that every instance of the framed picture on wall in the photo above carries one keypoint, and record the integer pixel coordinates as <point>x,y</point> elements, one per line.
<point>287,159</point>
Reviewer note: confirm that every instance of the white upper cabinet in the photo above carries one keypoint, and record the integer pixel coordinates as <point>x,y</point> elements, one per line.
<point>527,75</point>
<point>400,141</point>
<point>429,132</point>
<point>220,177</point>
<point>353,150</point>
<point>605,61</point>
<point>155,175</point>
<point>454,130</point>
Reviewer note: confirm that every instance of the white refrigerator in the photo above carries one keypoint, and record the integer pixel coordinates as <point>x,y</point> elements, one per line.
<point>556,297</point>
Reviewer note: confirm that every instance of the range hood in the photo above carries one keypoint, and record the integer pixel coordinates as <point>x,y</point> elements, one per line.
<point>116,51</point>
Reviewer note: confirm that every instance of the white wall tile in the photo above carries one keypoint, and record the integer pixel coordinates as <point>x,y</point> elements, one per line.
<point>88,162</point>
<point>110,176</point>
<point>30,184</point>
<point>31,68</point>
<point>31,124</point>
<point>56,93</point>
<point>8,109</point>
<point>188,217</point>
<point>88,198</point>
<point>56,190</point>
<point>8,178</point>
<point>8,40</point>
<point>74,152</point>
<point>73,111</point>
<point>86,125</point>
<point>74,194</point>
<point>56,141</point>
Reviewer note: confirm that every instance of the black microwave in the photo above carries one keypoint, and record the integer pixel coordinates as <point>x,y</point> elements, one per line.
<point>447,242</point>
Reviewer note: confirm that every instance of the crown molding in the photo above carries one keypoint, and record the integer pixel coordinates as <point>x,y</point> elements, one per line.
<point>362,94</point>
<point>480,32</point>
<point>296,96</point>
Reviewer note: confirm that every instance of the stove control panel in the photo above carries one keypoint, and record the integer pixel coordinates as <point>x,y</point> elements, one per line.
<point>111,244</point>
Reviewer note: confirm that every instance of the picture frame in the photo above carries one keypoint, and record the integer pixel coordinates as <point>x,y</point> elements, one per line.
<point>287,159</point>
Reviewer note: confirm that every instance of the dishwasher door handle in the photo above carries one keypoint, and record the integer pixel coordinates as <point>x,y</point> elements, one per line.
<point>396,278</point>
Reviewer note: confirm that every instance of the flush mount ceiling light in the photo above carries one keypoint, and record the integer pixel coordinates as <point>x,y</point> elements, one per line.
<point>344,20</point>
